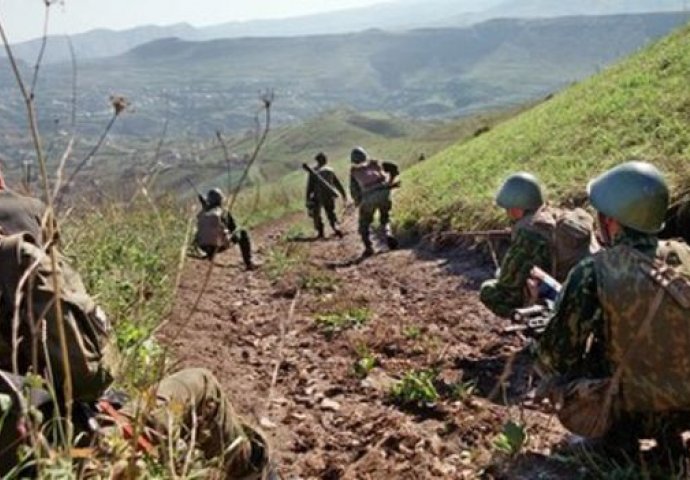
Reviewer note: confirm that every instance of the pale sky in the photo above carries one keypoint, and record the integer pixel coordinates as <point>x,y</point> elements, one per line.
<point>23,19</point>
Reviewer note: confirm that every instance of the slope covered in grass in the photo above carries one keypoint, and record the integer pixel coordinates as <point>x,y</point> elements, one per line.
<point>639,108</point>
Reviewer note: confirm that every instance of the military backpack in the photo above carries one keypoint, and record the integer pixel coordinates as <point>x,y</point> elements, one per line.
<point>569,233</point>
<point>28,300</point>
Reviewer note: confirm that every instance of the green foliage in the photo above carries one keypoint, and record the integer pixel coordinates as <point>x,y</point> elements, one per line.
<point>129,259</point>
<point>281,259</point>
<point>639,108</point>
<point>415,388</point>
<point>365,362</point>
<point>334,322</point>
<point>512,439</point>
<point>463,390</point>
<point>412,332</point>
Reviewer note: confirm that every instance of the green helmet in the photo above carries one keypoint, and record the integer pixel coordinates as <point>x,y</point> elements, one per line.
<point>520,190</point>
<point>214,197</point>
<point>633,193</point>
<point>358,155</point>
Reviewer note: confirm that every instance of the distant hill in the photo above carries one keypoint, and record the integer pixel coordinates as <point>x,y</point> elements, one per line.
<point>428,73</point>
<point>639,109</point>
<point>392,16</point>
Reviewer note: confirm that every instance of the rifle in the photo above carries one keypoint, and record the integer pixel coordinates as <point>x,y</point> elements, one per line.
<point>531,320</point>
<point>323,182</point>
<point>503,233</point>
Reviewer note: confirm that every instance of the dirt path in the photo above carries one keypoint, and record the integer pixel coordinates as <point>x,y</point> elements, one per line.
<point>418,310</point>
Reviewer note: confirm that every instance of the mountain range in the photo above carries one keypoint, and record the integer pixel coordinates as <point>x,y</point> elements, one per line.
<point>398,15</point>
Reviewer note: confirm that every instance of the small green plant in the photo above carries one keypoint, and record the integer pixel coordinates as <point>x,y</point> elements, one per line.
<point>318,281</point>
<point>512,439</point>
<point>415,388</point>
<point>365,363</point>
<point>412,332</point>
<point>463,390</point>
<point>331,323</point>
<point>280,260</point>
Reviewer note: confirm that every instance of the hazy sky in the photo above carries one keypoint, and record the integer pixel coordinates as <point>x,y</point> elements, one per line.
<point>23,18</point>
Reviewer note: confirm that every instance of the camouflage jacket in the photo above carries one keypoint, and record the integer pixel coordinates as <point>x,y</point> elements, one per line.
<point>528,248</point>
<point>623,313</point>
<point>317,192</point>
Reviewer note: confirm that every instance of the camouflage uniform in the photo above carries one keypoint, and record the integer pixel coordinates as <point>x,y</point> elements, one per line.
<point>93,358</point>
<point>592,337</point>
<point>529,247</point>
<point>21,214</point>
<point>319,197</point>
<point>369,189</point>
<point>224,232</point>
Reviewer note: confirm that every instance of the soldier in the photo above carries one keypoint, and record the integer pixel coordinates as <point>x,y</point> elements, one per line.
<point>194,394</point>
<point>616,354</point>
<point>217,230</point>
<point>370,188</point>
<point>320,197</point>
<point>542,236</point>
<point>21,214</point>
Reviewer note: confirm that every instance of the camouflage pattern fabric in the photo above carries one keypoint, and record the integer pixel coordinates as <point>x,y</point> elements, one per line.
<point>372,202</point>
<point>593,335</point>
<point>196,393</point>
<point>91,346</point>
<point>21,214</point>
<point>321,198</point>
<point>528,248</point>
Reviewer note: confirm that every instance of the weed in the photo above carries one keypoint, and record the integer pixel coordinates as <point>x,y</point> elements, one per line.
<point>280,260</point>
<point>415,388</point>
<point>365,363</point>
<point>463,390</point>
<point>332,323</point>
<point>412,332</point>
<point>512,439</point>
<point>318,281</point>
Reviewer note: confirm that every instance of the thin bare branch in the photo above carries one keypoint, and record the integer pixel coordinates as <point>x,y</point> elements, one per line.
<point>73,124</point>
<point>267,99</point>
<point>41,52</point>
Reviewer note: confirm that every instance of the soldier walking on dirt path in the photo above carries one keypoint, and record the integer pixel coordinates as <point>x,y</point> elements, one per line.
<point>616,353</point>
<point>217,230</point>
<point>371,183</point>
<point>19,213</point>
<point>542,236</point>
<point>319,197</point>
<point>190,402</point>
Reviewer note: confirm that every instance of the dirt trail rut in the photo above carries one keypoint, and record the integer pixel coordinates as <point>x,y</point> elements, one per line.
<point>419,311</point>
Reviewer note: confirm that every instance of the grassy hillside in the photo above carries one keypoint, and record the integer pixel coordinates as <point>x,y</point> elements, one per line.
<point>637,109</point>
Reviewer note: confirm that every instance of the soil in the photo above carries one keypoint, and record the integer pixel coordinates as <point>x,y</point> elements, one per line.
<point>257,331</point>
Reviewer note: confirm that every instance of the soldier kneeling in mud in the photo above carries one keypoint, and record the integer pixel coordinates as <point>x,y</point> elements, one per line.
<point>371,183</point>
<point>616,353</point>
<point>217,230</point>
<point>55,340</point>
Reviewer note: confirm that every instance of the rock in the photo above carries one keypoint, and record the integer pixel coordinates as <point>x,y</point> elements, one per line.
<point>378,380</point>
<point>266,423</point>
<point>328,404</point>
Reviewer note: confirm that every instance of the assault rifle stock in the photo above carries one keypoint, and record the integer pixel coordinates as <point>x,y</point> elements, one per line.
<point>320,179</point>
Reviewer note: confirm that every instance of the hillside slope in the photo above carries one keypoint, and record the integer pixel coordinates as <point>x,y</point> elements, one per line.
<point>639,108</point>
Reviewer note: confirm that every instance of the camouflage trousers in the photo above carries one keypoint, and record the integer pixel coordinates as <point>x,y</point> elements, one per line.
<point>372,202</point>
<point>585,410</point>
<point>193,403</point>
<point>499,299</point>
<point>327,205</point>
<point>241,238</point>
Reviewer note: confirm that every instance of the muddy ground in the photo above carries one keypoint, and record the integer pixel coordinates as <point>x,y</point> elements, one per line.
<point>418,309</point>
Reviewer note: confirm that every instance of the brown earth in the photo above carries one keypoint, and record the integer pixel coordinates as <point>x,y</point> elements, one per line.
<point>257,331</point>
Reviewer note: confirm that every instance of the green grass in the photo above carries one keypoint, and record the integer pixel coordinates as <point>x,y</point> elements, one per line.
<point>415,388</point>
<point>639,108</point>
<point>333,322</point>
